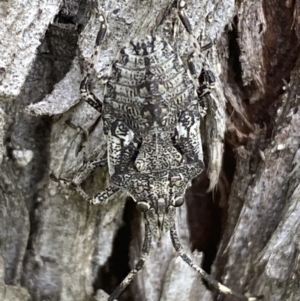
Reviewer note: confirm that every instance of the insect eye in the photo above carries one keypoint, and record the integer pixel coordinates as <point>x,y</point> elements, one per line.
<point>142,206</point>
<point>178,202</point>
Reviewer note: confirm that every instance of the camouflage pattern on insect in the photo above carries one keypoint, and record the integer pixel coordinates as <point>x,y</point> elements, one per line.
<point>151,113</point>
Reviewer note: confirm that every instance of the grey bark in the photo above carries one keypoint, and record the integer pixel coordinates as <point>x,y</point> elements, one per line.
<point>54,246</point>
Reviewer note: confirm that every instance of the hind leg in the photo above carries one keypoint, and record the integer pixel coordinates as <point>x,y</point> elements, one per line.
<point>85,92</point>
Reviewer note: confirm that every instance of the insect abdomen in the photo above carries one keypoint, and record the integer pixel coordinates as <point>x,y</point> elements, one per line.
<point>149,87</point>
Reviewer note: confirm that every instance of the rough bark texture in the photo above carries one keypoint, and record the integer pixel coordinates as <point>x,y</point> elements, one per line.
<point>54,246</point>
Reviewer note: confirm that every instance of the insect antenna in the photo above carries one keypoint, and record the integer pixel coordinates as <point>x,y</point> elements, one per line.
<point>144,253</point>
<point>222,288</point>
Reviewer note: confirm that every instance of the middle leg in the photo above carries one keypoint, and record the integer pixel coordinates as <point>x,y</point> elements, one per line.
<point>79,177</point>
<point>97,199</point>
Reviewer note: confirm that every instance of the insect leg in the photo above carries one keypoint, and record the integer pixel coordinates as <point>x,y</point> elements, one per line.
<point>183,17</point>
<point>87,169</point>
<point>85,133</point>
<point>97,199</point>
<point>187,25</point>
<point>104,195</point>
<point>138,266</point>
<point>222,288</point>
<point>85,92</point>
<point>69,183</point>
<point>206,79</point>
<point>74,184</point>
<point>84,172</point>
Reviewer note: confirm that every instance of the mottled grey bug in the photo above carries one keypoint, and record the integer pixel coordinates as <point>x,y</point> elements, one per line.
<point>151,113</point>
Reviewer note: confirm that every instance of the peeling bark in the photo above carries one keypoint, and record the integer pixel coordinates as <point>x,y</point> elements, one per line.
<point>23,25</point>
<point>54,246</point>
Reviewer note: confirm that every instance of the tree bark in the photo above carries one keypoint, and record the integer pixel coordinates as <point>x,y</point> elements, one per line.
<point>55,246</point>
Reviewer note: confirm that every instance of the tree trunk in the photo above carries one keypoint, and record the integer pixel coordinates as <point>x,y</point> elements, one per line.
<point>55,246</point>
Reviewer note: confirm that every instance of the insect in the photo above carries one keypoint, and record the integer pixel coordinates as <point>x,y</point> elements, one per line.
<point>151,114</point>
